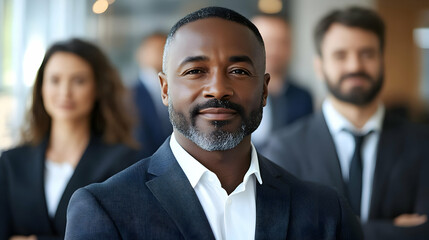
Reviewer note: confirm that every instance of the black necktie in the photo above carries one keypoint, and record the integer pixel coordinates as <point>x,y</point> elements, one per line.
<point>354,184</point>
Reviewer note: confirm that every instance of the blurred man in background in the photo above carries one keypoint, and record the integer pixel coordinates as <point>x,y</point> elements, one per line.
<point>379,162</point>
<point>153,124</point>
<point>287,102</point>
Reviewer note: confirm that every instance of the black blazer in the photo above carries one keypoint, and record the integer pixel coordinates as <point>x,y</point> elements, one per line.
<point>401,178</point>
<point>23,209</point>
<point>153,199</point>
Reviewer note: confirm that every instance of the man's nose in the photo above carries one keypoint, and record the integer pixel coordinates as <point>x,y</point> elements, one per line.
<point>354,63</point>
<point>219,87</point>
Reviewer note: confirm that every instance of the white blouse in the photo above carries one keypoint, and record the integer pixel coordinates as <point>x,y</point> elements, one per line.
<point>57,176</point>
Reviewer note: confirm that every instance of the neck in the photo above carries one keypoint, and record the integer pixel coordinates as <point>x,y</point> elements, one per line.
<point>357,115</point>
<point>230,166</point>
<point>67,141</point>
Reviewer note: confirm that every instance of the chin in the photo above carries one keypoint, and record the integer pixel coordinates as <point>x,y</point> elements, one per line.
<point>68,117</point>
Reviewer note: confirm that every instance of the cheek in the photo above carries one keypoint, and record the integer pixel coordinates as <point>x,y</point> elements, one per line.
<point>48,95</point>
<point>179,103</point>
<point>184,94</point>
<point>374,69</point>
<point>86,96</point>
<point>252,96</point>
<point>332,70</point>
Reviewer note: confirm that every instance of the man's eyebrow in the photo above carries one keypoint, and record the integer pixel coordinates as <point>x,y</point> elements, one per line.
<point>194,59</point>
<point>242,58</point>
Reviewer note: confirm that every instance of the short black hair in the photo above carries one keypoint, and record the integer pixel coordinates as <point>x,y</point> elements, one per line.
<point>210,12</point>
<point>352,17</point>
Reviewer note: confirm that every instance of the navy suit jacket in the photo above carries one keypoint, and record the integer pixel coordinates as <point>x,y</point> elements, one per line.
<point>401,177</point>
<point>290,105</point>
<point>295,103</point>
<point>23,208</point>
<point>153,199</point>
<point>152,129</point>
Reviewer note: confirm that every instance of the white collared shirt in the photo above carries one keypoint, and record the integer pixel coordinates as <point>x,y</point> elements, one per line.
<point>57,176</point>
<point>345,145</point>
<point>230,216</point>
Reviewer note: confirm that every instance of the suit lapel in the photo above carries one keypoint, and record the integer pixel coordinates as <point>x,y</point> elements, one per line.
<point>389,150</point>
<point>83,175</point>
<point>323,154</point>
<point>176,195</point>
<point>272,205</point>
<point>39,187</point>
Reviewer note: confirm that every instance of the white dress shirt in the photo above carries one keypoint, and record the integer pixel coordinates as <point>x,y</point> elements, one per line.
<point>340,129</point>
<point>230,216</point>
<point>57,176</point>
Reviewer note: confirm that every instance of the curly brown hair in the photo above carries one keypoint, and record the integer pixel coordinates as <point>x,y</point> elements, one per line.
<point>110,116</point>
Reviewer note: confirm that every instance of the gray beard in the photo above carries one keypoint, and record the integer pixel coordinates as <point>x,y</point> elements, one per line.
<point>217,140</point>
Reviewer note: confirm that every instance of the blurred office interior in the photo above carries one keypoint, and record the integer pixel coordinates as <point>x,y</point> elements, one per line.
<point>28,28</point>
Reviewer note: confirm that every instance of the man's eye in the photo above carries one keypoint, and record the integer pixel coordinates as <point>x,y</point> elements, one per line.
<point>194,71</point>
<point>339,56</point>
<point>240,72</point>
<point>368,54</point>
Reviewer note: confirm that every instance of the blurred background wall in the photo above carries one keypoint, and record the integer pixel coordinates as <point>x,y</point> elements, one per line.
<point>28,28</point>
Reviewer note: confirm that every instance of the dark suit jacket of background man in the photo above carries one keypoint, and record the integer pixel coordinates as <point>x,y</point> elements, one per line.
<point>153,199</point>
<point>401,177</point>
<point>294,103</point>
<point>23,209</point>
<point>152,129</point>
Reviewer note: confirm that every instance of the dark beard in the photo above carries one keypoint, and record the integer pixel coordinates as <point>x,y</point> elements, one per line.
<point>357,96</point>
<point>217,140</point>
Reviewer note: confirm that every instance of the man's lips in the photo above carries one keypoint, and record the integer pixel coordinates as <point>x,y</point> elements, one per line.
<point>357,79</point>
<point>218,114</point>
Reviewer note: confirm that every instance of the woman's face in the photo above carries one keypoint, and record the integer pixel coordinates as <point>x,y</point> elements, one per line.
<point>68,89</point>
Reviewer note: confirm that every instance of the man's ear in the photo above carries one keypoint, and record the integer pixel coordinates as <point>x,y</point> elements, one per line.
<point>318,66</point>
<point>267,78</point>
<point>164,88</point>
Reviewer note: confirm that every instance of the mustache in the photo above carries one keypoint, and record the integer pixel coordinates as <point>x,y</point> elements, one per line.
<point>356,74</point>
<point>216,103</point>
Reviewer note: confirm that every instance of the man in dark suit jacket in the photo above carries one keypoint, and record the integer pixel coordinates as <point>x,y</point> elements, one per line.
<point>287,102</point>
<point>153,125</point>
<point>392,193</point>
<point>207,180</point>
